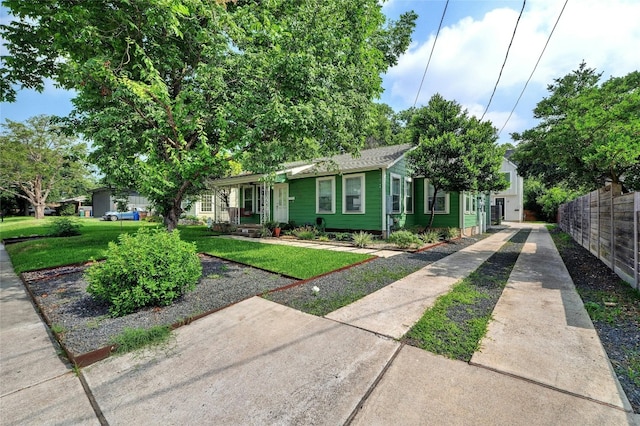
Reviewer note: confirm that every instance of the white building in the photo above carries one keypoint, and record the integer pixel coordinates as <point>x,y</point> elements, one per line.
<point>509,202</point>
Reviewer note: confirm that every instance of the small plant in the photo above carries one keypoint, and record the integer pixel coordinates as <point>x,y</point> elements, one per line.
<point>450,233</point>
<point>149,268</point>
<point>429,237</point>
<point>307,232</point>
<point>58,328</point>
<point>362,239</point>
<point>323,238</point>
<point>404,239</point>
<point>64,227</point>
<point>67,210</point>
<point>135,338</point>
<point>343,236</point>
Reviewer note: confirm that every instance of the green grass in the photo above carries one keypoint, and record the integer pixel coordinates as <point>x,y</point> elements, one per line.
<point>436,333</point>
<point>321,306</point>
<point>92,244</point>
<point>136,338</point>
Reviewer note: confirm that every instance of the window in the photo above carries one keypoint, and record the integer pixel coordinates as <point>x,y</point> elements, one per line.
<point>353,194</point>
<point>408,195</point>
<point>507,177</point>
<point>206,203</point>
<point>325,195</point>
<point>247,198</point>
<point>442,200</point>
<point>469,203</point>
<point>395,193</point>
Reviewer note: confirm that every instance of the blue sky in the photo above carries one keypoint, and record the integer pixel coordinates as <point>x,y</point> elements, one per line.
<point>469,53</point>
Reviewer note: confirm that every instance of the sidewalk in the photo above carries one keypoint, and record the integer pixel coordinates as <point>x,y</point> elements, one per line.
<point>258,362</point>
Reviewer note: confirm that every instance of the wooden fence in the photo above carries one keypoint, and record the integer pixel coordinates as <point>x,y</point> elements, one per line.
<point>607,224</point>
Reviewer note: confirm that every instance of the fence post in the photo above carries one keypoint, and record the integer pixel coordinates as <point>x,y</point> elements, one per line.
<point>636,243</point>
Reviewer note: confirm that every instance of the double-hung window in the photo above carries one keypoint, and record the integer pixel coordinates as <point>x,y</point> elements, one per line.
<point>441,200</point>
<point>353,193</point>
<point>408,195</point>
<point>326,195</point>
<point>469,202</point>
<point>206,203</point>
<point>396,188</point>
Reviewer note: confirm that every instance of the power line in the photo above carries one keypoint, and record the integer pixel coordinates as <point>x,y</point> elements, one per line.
<point>430,54</point>
<point>505,59</point>
<point>534,68</point>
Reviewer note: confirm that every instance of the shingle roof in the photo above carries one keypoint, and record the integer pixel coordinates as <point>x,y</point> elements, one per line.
<point>369,159</point>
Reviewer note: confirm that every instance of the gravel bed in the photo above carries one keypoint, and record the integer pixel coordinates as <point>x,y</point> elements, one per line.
<point>87,325</point>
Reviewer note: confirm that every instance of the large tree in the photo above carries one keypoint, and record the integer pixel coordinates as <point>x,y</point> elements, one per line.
<point>38,160</point>
<point>171,91</point>
<point>589,133</point>
<point>454,151</point>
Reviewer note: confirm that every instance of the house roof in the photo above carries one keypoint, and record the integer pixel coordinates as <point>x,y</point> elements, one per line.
<point>369,159</point>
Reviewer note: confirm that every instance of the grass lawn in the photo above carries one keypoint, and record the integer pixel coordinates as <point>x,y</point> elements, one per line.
<point>92,244</point>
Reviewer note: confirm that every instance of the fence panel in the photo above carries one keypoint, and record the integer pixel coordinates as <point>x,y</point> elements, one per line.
<point>608,225</point>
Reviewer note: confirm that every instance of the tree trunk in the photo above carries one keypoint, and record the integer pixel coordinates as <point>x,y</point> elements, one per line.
<point>433,208</point>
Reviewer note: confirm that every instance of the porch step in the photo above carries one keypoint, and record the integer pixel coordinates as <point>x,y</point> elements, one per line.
<point>251,230</point>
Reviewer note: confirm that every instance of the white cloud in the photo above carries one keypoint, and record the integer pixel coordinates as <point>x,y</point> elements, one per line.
<point>469,53</point>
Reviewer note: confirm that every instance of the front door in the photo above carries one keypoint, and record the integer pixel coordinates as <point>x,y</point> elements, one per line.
<point>281,202</point>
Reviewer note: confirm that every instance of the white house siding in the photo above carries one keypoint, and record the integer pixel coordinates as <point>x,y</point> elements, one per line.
<point>512,196</point>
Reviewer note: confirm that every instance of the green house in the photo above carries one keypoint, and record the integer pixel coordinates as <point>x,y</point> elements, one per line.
<point>372,192</point>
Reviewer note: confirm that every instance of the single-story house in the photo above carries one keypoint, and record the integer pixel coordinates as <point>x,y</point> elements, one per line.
<point>508,204</point>
<point>372,192</point>
<point>104,200</point>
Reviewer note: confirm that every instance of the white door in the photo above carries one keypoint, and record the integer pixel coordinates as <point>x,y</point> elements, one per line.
<point>281,202</point>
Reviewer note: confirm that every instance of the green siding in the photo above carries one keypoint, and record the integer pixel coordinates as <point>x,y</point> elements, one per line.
<point>452,219</point>
<point>302,210</point>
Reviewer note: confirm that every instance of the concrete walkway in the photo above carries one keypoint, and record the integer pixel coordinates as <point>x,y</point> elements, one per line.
<point>259,363</point>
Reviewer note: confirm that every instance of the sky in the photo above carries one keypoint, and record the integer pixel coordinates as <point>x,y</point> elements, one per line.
<point>469,53</point>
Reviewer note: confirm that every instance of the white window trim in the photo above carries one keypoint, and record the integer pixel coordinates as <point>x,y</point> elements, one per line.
<point>426,201</point>
<point>409,209</point>
<point>253,197</point>
<point>211,202</point>
<point>400,195</point>
<point>333,195</point>
<point>470,197</point>
<point>344,193</point>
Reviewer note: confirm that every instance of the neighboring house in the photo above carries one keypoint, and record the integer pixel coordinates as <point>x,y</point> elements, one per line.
<point>508,204</point>
<point>373,192</point>
<point>104,201</point>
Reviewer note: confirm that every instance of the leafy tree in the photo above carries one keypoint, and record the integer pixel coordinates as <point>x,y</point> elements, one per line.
<point>588,133</point>
<point>38,160</point>
<point>553,197</point>
<point>387,127</point>
<point>454,151</point>
<point>171,91</point>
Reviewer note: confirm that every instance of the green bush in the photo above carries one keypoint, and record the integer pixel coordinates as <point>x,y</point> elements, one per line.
<point>450,233</point>
<point>305,232</point>
<point>362,239</point>
<point>429,237</point>
<point>64,227</point>
<point>404,239</point>
<point>149,268</point>
<point>67,210</point>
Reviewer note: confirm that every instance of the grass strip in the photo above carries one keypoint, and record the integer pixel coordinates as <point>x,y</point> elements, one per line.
<point>458,320</point>
<point>132,339</point>
<point>301,263</point>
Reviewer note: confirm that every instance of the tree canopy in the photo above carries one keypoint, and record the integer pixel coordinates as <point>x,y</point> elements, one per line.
<point>38,161</point>
<point>589,134</point>
<point>454,151</point>
<point>171,91</point>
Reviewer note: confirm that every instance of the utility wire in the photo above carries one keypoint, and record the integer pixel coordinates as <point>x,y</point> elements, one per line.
<point>430,54</point>
<point>534,68</point>
<point>505,59</point>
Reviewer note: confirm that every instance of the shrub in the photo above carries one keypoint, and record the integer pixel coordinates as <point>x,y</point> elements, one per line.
<point>450,233</point>
<point>307,232</point>
<point>149,268</point>
<point>362,239</point>
<point>64,227</point>
<point>404,239</point>
<point>67,210</point>
<point>430,236</point>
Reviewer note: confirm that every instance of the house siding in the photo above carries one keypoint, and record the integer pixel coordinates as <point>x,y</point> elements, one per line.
<point>302,208</point>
